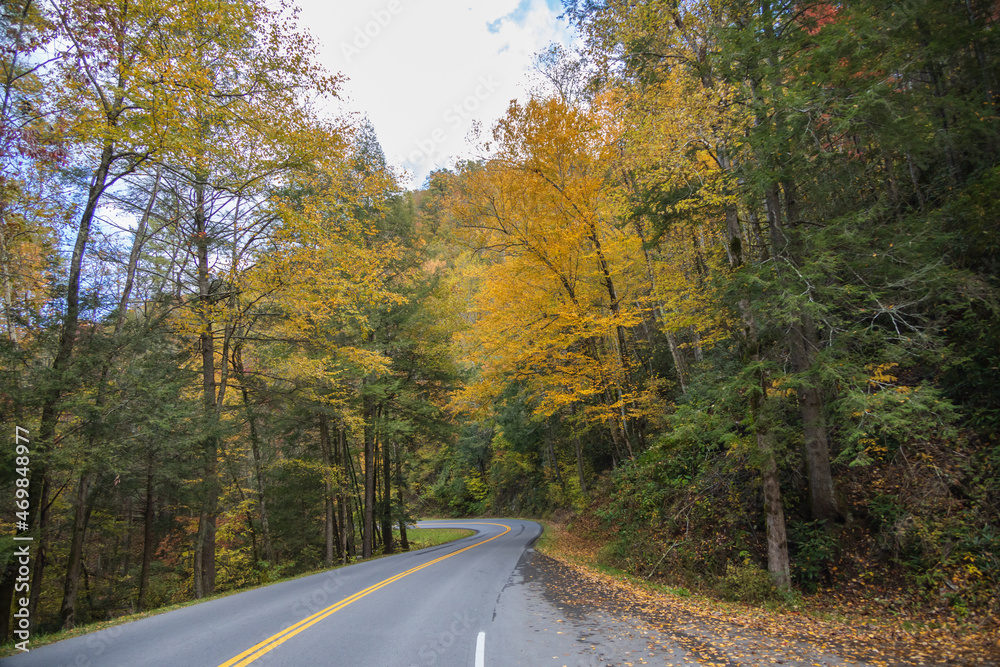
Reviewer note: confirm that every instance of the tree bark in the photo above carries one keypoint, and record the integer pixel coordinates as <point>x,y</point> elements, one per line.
<point>579,466</point>
<point>328,524</point>
<point>368,529</point>
<point>346,520</point>
<point>205,543</point>
<point>404,543</point>
<point>81,518</point>
<point>265,529</point>
<point>804,343</point>
<point>147,534</point>
<point>774,512</point>
<point>387,537</point>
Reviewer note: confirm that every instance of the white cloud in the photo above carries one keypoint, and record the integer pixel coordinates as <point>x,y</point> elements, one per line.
<point>424,71</point>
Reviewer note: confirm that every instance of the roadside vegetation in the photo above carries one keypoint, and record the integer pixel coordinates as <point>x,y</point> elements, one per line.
<point>874,629</point>
<point>735,304</point>
<point>721,293</point>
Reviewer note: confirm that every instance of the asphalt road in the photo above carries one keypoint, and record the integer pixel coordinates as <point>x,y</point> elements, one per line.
<point>466,603</point>
<point>485,600</point>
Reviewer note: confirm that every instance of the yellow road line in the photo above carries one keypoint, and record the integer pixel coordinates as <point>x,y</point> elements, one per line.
<point>276,640</point>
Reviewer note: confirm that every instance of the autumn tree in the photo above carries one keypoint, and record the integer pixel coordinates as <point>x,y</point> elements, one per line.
<point>539,215</point>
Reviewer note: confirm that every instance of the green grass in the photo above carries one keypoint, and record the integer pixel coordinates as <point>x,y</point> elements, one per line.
<point>419,538</point>
<point>545,542</point>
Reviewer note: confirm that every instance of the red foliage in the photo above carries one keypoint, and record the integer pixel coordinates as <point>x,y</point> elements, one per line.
<point>813,18</point>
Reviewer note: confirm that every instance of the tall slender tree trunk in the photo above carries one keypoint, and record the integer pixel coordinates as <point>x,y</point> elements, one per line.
<point>346,522</point>
<point>387,537</point>
<point>39,483</point>
<point>404,543</point>
<point>368,530</point>
<point>804,341</point>
<point>680,366</point>
<point>579,466</point>
<point>262,513</point>
<point>77,538</point>
<point>550,454</point>
<point>355,502</point>
<point>774,513</point>
<point>81,518</point>
<point>205,542</point>
<point>329,525</point>
<point>147,532</point>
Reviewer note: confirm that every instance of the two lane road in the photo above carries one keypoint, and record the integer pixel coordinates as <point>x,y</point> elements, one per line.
<point>428,607</point>
<point>485,600</point>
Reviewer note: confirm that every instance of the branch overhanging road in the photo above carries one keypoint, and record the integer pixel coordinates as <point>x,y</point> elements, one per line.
<point>487,599</point>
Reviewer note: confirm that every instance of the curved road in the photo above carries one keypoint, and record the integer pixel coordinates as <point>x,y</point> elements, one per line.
<point>456,604</point>
<point>487,599</point>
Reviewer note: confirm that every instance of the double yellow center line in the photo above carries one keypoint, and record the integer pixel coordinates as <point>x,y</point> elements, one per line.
<point>274,641</point>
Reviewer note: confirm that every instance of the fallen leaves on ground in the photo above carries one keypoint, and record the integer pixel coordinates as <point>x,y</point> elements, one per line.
<point>731,633</point>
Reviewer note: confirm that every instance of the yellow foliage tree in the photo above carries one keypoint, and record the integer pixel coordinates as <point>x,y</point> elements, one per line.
<point>560,284</point>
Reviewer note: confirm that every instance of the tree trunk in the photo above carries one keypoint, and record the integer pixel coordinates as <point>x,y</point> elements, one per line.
<point>133,259</point>
<point>368,530</point>
<point>680,367</point>
<point>404,543</point>
<point>550,453</point>
<point>205,544</point>
<point>147,535</point>
<point>39,484</point>
<point>328,524</point>
<point>6,598</point>
<point>774,512</point>
<point>387,537</point>
<point>346,522</point>
<point>624,358</point>
<point>83,506</point>
<point>265,529</point>
<point>355,504</point>
<point>80,520</point>
<point>804,343</point>
<point>822,496</point>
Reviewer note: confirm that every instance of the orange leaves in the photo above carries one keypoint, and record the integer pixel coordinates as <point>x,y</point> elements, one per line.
<point>557,283</point>
<point>881,375</point>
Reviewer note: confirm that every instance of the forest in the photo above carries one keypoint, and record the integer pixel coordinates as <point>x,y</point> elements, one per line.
<point>722,291</point>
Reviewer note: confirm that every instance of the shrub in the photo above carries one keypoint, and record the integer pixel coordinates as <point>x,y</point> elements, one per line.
<point>745,582</point>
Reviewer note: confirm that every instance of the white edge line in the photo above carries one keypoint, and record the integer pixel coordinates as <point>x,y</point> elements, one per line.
<point>481,650</point>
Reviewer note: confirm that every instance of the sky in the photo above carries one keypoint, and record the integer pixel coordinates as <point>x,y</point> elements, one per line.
<point>425,71</point>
